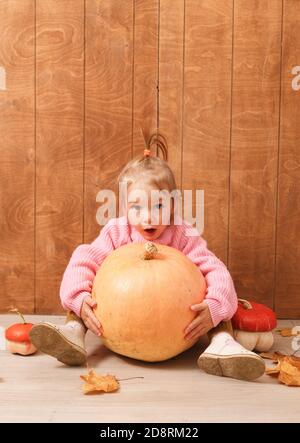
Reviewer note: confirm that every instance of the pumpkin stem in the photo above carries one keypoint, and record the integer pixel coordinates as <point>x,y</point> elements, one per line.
<point>19,313</point>
<point>130,378</point>
<point>246,304</point>
<point>150,251</point>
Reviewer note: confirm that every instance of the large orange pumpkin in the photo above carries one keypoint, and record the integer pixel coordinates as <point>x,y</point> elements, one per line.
<point>144,293</point>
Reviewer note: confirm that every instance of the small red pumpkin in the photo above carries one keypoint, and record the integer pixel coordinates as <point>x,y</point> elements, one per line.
<point>253,317</point>
<point>18,332</point>
<point>253,324</point>
<point>17,337</point>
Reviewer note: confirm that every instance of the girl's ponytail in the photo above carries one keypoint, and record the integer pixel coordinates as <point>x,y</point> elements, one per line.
<point>152,166</point>
<point>158,141</point>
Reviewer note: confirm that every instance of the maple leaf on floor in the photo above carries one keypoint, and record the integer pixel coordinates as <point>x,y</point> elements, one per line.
<point>101,383</point>
<point>98,383</point>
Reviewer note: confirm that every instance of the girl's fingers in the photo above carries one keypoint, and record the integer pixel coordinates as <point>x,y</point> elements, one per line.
<point>91,326</point>
<point>196,333</point>
<point>199,307</point>
<point>90,302</point>
<point>193,324</point>
<point>90,314</point>
<point>91,321</point>
<point>95,322</point>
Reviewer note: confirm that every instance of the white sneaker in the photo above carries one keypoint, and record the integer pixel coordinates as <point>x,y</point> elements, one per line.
<point>64,342</point>
<point>225,357</point>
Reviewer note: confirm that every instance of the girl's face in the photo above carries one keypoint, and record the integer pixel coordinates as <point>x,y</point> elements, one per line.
<point>144,214</point>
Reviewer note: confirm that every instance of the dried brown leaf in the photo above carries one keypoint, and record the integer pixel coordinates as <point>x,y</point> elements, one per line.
<point>287,370</point>
<point>99,383</point>
<point>287,332</point>
<point>290,371</point>
<point>273,370</point>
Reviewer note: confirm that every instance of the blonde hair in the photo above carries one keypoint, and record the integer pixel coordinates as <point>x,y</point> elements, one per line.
<point>149,168</point>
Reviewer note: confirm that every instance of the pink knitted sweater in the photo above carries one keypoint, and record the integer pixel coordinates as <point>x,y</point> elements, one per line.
<point>78,277</point>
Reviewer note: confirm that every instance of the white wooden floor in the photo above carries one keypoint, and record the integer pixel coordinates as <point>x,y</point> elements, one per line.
<point>40,389</point>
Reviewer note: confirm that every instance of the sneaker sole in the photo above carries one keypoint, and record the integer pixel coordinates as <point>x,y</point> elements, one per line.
<point>241,367</point>
<point>49,340</point>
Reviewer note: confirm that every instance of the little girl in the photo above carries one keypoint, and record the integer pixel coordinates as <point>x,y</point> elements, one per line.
<point>224,356</point>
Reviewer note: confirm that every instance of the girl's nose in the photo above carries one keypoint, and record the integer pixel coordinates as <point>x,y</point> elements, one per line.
<point>146,217</point>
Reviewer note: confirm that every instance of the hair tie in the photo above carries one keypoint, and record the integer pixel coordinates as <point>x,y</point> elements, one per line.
<point>147,153</point>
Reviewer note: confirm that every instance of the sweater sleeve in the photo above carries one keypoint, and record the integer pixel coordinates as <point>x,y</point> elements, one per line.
<point>220,296</point>
<point>79,275</point>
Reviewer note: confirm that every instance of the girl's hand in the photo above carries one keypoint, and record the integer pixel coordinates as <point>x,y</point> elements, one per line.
<point>201,324</point>
<point>88,316</point>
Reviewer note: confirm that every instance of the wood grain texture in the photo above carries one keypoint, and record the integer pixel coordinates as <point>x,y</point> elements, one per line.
<point>108,114</point>
<point>171,41</point>
<point>145,97</point>
<point>287,296</point>
<point>17,155</point>
<point>206,131</point>
<point>206,73</point>
<point>256,79</point>
<point>59,129</point>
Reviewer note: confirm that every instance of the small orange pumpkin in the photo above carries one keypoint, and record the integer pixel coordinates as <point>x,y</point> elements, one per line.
<point>144,293</point>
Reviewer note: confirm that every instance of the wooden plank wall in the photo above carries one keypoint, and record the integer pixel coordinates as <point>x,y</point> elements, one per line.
<point>171,80</point>
<point>108,100</point>
<point>287,282</point>
<point>254,147</point>
<point>59,143</point>
<point>206,113</point>
<point>216,77</point>
<point>17,158</point>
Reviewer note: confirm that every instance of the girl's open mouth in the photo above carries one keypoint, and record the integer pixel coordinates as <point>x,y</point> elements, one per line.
<point>150,231</point>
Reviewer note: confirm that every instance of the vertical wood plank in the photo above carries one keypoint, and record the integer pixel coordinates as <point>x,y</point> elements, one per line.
<point>59,177</point>
<point>207,95</point>
<point>17,155</point>
<point>171,41</point>
<point>145,110</point>
<point>108,115</point>
<point>287,295</point>
<point>256,79</point>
